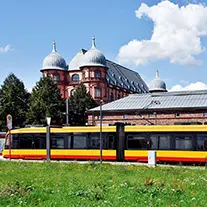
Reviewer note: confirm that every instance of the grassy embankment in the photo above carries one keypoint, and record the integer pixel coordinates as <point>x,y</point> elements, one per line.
<point>64,184</point>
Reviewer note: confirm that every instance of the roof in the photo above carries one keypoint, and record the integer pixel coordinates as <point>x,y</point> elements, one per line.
<point>75,62</point>
<point>157,85</point>
<point>93,57</point>
<point>117,75</point>
<point>159,101</point>
<point>54,60</point>
<point>123,77</point>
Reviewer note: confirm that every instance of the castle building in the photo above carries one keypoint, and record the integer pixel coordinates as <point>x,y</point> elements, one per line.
<point>104,79</point>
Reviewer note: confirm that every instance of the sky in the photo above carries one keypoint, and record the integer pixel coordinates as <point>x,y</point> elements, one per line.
<point>143,35</point>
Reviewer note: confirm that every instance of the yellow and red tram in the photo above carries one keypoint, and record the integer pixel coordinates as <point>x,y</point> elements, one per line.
<point>172,143</point>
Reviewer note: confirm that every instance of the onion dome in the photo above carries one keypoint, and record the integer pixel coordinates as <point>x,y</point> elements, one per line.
<point>93,57</point>
<point>54,60</point>
<point>157,85</point>
<point>76,61</point>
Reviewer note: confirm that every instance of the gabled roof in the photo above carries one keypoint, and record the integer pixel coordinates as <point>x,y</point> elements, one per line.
<point>158,101</point>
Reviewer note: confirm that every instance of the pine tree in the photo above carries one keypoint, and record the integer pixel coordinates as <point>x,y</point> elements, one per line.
<point>80,102</point>
<point>14,100</point>
<point>45,102</point>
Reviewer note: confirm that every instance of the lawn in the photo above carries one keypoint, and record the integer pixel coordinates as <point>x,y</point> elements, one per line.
<point>83,185</point>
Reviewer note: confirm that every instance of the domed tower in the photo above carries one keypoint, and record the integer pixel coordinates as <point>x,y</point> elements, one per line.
<point>54,66</point>
<point>157,85</point>
<point>94,69</point>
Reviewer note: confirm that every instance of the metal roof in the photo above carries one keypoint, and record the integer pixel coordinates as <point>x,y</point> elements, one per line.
<point>159,101</point>
<point>123,77</point>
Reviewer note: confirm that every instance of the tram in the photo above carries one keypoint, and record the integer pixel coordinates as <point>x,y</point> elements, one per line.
<point>2,138</point>
<point>172,143</point>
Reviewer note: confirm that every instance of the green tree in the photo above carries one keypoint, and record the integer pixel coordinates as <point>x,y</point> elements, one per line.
<point>80,102</point>
<point>13,100</point>
<point>45,101</point>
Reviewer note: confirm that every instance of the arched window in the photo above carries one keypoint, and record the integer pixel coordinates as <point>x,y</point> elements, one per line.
<point>111,97</point>
<point>72,92</point>
<point>56,77</point>
<point>97,74</point>
<point>75,78</point>
<point>97,92</point>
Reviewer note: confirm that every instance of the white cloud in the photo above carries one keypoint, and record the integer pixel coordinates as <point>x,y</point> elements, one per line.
<point>7,48</point>
<point>191,86</point>
<point>176,34</point>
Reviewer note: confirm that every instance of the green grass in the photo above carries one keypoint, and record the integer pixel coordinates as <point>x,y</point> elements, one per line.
<point>84,185</point>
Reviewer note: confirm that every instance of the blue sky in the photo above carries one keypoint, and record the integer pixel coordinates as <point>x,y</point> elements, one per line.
<point>29,27</point>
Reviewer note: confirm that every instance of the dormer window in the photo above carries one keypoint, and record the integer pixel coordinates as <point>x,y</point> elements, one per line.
<point>97,74</point>
<point>75,78</point>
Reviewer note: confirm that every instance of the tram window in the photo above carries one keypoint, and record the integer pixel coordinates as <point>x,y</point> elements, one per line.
<point>26,141</point>
<point>153,142</point>
<point>137,142</point>
<point>202,142</point>
<point>58,141</point>
<point>95,140</point>
<point>14,141</point>
<point>164,142</point>
<point>39,141</point>
<point>183,143</point>
<point>80,140</point>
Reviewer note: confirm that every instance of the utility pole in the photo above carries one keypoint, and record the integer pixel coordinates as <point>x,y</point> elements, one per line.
<point>48,138</point>
<point>67,111</point>
<point>101,141</point>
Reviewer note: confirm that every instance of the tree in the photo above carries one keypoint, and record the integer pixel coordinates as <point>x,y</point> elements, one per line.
<point>45,102</point>
<point>14,100</point>
<point>80,102</point>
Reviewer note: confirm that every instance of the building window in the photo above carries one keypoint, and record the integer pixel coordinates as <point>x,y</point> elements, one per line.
<point>75,78</point>
<point>72,92</point>
<point>150,115</point>
<point>97,74</point>
<point>56,77</point>
<point>111,98</point>
<point>100,117</point>
<point>97,92</point>
<point>125,116</point>
<point>48,75</point>
<point>205,114</point>
<point>119,96</point>
<point>177,115</point>
<point>83,74</point>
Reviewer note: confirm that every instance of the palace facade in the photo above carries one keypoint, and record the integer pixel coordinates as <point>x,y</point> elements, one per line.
<point>104,79</point>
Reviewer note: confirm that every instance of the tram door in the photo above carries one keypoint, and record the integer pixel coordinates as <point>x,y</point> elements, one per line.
<point>111,141</point>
